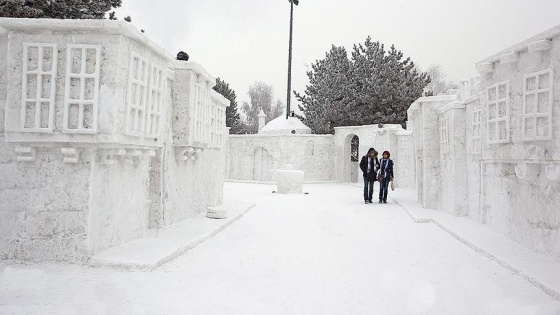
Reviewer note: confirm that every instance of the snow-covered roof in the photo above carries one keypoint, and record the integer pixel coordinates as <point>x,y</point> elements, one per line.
<point>281,125</point>
<point>92,25</point>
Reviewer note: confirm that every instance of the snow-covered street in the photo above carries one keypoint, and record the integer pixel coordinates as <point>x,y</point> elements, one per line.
<point>325,252</point>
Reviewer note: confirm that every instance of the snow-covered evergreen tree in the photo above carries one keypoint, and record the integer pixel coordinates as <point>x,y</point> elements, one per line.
<point>327,97</point>
<point>57,9</point>
<point>232,115</point>
<point>374,86</point>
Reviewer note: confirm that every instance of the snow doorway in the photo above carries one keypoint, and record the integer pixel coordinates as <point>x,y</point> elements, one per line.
<point>353,144</point>
<point>261,163</point>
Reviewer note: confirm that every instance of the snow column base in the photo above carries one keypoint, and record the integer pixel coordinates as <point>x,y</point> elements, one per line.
<point>289,181</point>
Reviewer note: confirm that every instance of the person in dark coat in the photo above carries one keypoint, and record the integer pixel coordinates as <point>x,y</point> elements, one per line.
<point>369,166</point>
<point>385,175</point>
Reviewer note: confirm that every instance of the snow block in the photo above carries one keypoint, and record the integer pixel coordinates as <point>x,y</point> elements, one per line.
<point>289,181</point>
<point>216,212</point>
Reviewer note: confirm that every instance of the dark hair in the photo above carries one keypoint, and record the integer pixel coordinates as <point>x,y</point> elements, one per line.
<point>183,56</point>
<point>387,152</point>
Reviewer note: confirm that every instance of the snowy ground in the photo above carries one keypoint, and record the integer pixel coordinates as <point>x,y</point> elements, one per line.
<point>321,253</point>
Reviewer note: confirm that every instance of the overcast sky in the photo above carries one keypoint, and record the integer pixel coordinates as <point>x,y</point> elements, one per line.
<point>244,41</point>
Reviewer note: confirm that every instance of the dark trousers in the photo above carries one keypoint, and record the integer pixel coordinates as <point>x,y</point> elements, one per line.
<point>368,188</point>
<point>384,188</point>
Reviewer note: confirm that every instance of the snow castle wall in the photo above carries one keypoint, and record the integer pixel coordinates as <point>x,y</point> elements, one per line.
<point>493,152</point>
<point>88,156</point>
<point>257,157</point>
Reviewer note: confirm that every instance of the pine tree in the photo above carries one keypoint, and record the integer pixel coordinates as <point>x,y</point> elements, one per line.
<point>232,115</point>
<point>374,86</point>
<point>57,9</point>
<point>327,98</point>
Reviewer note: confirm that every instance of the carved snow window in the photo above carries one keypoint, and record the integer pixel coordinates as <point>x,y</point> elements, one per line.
<point>217,125</point>
<point>537,106</point>
<point>310,148</point>
<point>38,87</point>
<point>201,112</point>
<point>221,126</point>
<point>81,94</point>
<point>156,94</point>
<point>476,143</point>
<point>497,97</point>
<point>444,132</point>
<point>137,92</point>
<point>214,125</point>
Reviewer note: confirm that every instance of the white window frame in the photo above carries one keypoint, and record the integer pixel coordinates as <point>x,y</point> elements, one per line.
<point>156,93</point>
<point>476,138</point>
<point>136,111</point>
<point>535,115</point>
<point>38,99</point>
<point>82,76</point>
<point>493,124</point>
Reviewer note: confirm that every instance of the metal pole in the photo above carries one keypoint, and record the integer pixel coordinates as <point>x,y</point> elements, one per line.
<point>290,60</point>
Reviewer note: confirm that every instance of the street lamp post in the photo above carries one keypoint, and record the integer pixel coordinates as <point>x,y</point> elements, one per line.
<point>292,2</point>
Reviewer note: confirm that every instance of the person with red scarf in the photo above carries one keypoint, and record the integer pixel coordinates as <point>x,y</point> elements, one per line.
<point>384,176</point>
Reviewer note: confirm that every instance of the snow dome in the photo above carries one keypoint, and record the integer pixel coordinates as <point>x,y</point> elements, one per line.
<point>281,125</point>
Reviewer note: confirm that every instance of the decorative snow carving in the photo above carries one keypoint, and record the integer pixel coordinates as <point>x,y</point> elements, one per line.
<point>146,156</point>
<point>26,154</point>
<point>38,87</point>
<point>540,45</point>
<point>188,153</point>
<point>71,155</point>
<point>124,156</point>
<point>486,67</point>
<point>83,63</point>
<point>509,58</point>
<point>498,107</point>
<point>537,106</point>
<point>527,171</point>
<point>110,156</point>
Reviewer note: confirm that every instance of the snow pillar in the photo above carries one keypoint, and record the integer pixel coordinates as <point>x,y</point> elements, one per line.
<point>262,119</point>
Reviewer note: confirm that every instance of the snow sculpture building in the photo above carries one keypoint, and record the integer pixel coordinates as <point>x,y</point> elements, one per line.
<point>492,153</point>
<point>281,141</point>
<point>105,136</point>
<point>321,157</point>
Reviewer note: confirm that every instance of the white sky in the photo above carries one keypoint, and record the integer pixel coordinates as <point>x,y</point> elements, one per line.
<point>243,41</point>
